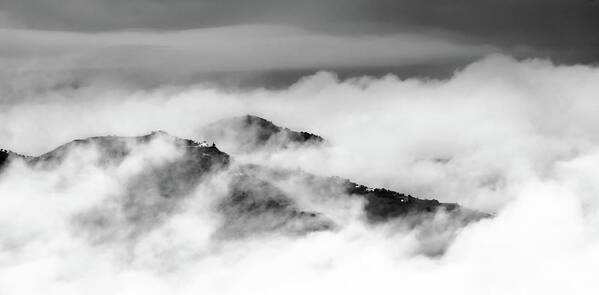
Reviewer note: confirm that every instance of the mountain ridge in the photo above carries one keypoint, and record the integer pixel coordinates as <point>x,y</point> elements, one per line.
<point>254,205</point>
<point>251,133</point>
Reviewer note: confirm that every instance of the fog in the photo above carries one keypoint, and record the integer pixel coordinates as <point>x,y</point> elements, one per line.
<point>516,138</point>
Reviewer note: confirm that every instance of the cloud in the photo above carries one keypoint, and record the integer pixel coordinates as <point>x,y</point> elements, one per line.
<point>516,138</point>
<point>39,60</point>
<point>565,30</point>
<point>436,130</point>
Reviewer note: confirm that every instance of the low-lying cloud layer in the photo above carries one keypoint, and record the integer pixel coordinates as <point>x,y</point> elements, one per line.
<point>515,138</point>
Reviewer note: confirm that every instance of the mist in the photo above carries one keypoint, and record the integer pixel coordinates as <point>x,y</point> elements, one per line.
<point>515,138</point>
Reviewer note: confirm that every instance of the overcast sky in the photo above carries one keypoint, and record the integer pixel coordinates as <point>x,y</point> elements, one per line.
<point>268,42</point>
<point>565,29</point>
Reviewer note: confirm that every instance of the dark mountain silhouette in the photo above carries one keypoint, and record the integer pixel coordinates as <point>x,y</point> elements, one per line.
<point>251,133</point>
<point>380,204</point>
<point>6,156</point>
<point>254,204</point>
<point>3,157</point>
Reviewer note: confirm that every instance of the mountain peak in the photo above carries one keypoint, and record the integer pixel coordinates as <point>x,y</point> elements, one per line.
<point>253,190</point>
<point>251,133</point>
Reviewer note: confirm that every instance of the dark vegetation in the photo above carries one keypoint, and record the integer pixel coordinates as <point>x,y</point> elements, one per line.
<point>3,157</point>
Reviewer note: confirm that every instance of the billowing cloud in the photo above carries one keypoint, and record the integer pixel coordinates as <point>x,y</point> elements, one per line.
<point>516,138</point>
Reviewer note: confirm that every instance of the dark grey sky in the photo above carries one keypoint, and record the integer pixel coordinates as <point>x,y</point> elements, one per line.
<point>567,30</point>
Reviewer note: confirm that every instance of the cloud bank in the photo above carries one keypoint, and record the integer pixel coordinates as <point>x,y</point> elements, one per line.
<point>36,60</point>
<point>562,29</point>
<point>515,138</point>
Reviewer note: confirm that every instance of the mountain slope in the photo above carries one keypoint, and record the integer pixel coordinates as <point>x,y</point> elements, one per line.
<point>153,194</point>
<point>257,198</point>
<point>251,133</point>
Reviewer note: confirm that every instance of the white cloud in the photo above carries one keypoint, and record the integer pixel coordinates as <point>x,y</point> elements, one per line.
<point>518,138</point>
